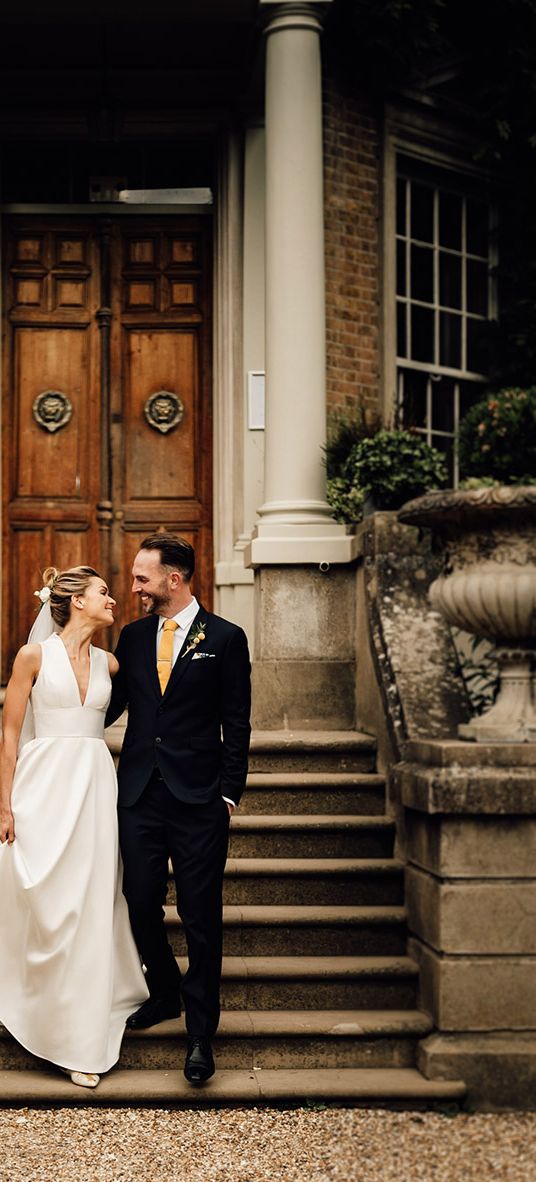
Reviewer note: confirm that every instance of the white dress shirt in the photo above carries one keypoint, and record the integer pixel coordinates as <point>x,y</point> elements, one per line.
<point>184,620</point>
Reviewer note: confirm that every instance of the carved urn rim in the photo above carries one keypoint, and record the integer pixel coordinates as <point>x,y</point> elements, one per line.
<point>471,507</point>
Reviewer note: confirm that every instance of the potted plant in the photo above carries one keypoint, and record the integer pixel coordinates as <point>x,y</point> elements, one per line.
<point>381,470</point>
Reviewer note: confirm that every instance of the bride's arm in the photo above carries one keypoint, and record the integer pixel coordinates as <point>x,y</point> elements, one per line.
<point>25,669</point>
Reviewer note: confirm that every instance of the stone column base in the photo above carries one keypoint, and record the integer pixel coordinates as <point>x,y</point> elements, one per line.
<point>304,661</point>
<point>498,1068</point>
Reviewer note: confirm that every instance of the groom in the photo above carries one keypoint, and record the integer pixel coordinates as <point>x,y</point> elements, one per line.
<point>185,676</point>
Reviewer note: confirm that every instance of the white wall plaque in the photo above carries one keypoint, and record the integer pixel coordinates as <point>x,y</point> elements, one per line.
<point>256,400</point>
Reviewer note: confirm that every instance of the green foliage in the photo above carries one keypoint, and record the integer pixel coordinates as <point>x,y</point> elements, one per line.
<point>477,659</point>
<point>387,468</point>
<point>394,466</point>
<point>497,439</point>
<point>346,499</point>
<point>343,432</point>
<point>478,482</point>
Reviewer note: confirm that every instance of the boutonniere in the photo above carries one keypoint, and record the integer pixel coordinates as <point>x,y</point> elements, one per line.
<point>194,637</point>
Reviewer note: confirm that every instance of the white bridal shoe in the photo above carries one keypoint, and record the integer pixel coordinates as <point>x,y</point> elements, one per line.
<point>84,1079</point>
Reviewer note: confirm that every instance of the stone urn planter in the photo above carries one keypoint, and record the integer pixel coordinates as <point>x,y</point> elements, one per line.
<point>488,588</point>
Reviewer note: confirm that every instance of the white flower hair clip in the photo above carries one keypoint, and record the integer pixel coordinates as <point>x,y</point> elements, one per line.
<point>43,594</point>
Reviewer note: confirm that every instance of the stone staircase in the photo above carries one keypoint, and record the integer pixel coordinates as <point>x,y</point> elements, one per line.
<point>319,999</point>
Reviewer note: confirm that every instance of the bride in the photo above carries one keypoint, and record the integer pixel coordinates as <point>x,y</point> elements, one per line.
<point>71,974</point>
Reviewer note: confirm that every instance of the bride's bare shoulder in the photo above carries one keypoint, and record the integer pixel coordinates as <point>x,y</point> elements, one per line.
<point>30,652</point>
<point>28,659</point>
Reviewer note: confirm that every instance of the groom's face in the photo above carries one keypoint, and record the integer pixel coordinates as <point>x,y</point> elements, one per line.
<point>152,583</point>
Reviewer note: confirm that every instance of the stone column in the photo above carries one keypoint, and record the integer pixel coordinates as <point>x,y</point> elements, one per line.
<point>304,662</point>
<point>295,523</point>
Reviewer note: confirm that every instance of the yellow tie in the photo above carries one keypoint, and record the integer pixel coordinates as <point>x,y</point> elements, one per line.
<point>164,662</point>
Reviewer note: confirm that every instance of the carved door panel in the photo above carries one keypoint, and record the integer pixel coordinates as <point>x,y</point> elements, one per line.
<point>106,410</point>
<point>51,412</point>
<point>160,390</point>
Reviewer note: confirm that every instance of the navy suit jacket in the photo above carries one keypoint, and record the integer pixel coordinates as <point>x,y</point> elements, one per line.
<point>197,733</point>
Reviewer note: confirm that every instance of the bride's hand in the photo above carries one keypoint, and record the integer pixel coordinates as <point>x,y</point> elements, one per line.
<point>7,827</point>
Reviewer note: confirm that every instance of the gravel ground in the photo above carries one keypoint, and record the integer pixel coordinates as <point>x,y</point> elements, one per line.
<point>264,1145</point>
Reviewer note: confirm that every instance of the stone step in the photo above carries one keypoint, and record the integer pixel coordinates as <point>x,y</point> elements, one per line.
<point>312,751</point>
<point>280,751</point>
<point>311,881</point>
<point>285,1038</point>
<point>301,931</point>
<point>363,1087</point>
<point>290,1038</point>
<point>305,836</point>
<point>317,982</point>
<point>281,793</point>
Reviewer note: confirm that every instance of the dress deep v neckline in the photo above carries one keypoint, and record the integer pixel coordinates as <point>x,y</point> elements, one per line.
<point>80,702</point>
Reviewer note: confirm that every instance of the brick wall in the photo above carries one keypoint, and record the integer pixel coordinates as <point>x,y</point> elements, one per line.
<point>353,275</point>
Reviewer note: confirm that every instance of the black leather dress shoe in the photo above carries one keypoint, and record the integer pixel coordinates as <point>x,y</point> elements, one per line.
<point>199,1065</point>
<point>154,1010</point>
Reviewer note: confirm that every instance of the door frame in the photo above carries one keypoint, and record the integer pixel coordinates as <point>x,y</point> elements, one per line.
<point>228,392</point>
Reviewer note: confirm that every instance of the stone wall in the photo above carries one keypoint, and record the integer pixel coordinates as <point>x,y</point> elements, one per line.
<point>353,266</point>
<point>466,823</point>
<point>470,826</point>
<point>415,689</point>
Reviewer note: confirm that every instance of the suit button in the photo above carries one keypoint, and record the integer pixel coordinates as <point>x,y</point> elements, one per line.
<point>158,739</point>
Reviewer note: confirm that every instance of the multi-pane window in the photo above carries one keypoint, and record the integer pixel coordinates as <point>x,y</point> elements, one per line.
<point>444,296</point>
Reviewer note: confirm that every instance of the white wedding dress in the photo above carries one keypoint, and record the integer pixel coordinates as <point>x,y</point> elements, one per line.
<point>70,974</point>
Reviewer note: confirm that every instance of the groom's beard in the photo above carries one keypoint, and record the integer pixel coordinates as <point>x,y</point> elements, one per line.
<point>155,604</point>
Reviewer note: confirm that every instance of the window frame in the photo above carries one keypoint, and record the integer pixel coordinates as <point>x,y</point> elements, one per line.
<point>428,140</point>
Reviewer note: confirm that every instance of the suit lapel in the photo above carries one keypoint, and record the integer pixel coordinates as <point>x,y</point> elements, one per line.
<point>150,653</point>
<point>184,658</point>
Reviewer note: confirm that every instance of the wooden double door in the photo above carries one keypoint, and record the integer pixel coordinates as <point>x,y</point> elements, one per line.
<point>107,401</point>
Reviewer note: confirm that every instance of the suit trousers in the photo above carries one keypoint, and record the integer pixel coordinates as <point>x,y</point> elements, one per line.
<point>158,827</point>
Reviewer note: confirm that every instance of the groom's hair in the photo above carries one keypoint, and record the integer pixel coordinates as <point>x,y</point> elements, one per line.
<point>175,553</point>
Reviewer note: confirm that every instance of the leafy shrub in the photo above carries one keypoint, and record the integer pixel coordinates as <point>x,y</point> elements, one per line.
<point>346,500</point>
<point>391,467</point>
<point>498,438</point>
<point>343,433</point>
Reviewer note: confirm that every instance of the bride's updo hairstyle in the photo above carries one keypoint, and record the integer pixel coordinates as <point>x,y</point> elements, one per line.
<point>63,585</point>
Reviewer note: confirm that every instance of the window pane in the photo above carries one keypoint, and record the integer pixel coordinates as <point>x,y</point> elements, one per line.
<point>422,213</point>
<point>446,446</point>
<point>401,342</point>
<point>477,228</point>
<point>470,392</point>
<point>401,206</point>
<point>401,268</point>
<point>422,273</point>
<point>450,340</point>
<point>477,287</point>
<point>450,280</point>
<point>443,405</point>
<point>414,401</point>
<point>477,345</point>
<point>422,334</point>
<point>450,220</point>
